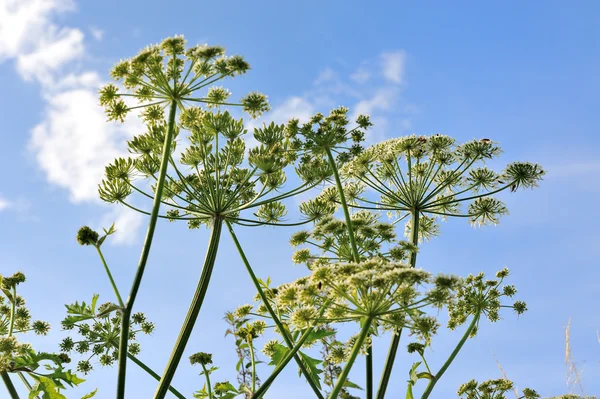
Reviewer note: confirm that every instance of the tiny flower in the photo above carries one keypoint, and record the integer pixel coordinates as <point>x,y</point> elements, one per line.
<point>84,366</point>
<point>87,236</point>
<point>243,311</point>
<point>255,104</point>
<point>40,327</point>
<point>201,358</point>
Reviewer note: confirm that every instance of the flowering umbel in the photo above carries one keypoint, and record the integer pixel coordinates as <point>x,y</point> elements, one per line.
<point>433,176</point>
<point>168,72</point>
<point>20,357</point>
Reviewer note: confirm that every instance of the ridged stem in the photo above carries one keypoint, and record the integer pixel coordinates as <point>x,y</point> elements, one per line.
<point>193,311</point>
<point>355,350</point>
<point>126,314</point>
<point>9,385</point>
<point>395,343</point>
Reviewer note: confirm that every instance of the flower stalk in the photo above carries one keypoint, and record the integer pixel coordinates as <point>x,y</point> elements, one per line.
<point>395,343</point>
<point>193,311</point>
<point>126,314</point>
<point>450,359</point>
<point>282,329</point>
<point>9,385</point>
<point>355,350</point>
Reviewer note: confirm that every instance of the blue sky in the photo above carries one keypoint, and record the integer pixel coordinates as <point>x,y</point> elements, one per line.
<point>523,74</point>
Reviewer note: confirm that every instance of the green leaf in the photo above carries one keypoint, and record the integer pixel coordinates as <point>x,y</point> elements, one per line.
<point>311,365</point>
<point>94,301</point>
<point>91,394</point>
<point>278,354</point>
<point>350,384</point>
<point>111,307</point>
<point>413,373</point>
<point>318,334</point>
<point>425,375</point>
<point>45,388</point>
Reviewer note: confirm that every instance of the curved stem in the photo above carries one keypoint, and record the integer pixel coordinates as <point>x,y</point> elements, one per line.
<point>126,316</point>
<point>282,329</point>
<point>459,346</point>
<point>207,381</point>
<point>9,385</point>
<point>355,350</point>
<point>13,307</point>
<point>110,277</point>
<point>391,357</point>
<point>193,311</point>
<point>340,188</point>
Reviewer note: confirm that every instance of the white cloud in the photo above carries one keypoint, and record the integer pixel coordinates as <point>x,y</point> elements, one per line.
<point>382,100</point>
<point>326,75</point>
<point>74,142</point>
<point>97,33</point>
<point>4,204</point>
<point>55,49</point>
<point>393,64</point>
<point>24,22</point>
<point>127,223</point>
<point>292,107</point>
<point>361,75</point>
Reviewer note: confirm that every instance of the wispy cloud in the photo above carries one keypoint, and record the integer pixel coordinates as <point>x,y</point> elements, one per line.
<point>4,204</point>
<point>361,75</point>
<point>97,33</point>
<point>393,65</point>
<point>365,89</point>
<point>73,142</point>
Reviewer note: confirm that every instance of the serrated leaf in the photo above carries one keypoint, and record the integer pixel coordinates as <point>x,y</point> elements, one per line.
<point>279,353</point>
<point>45,388</point>
<point>91,394</point>
<point>311,365</point>
<point>317,335</point>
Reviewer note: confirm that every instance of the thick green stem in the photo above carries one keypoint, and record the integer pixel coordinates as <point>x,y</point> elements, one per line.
<point>110,277</point>
<point>207,375</point>
<point>391,357</point>
<point>340,188</point>
<point>443,369</point>
<point>389,364</point>
<point>193,311</point>
<point>126,316</point>
<point>355,350</point>
<point>253,359</point>
<point>369,371</point>
<point>9,385</point>
<point>283,330</point>
<point>286,359</point>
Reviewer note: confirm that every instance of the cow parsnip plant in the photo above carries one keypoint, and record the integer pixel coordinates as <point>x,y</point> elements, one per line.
<point>47,370</point>
<point>375,207</point>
